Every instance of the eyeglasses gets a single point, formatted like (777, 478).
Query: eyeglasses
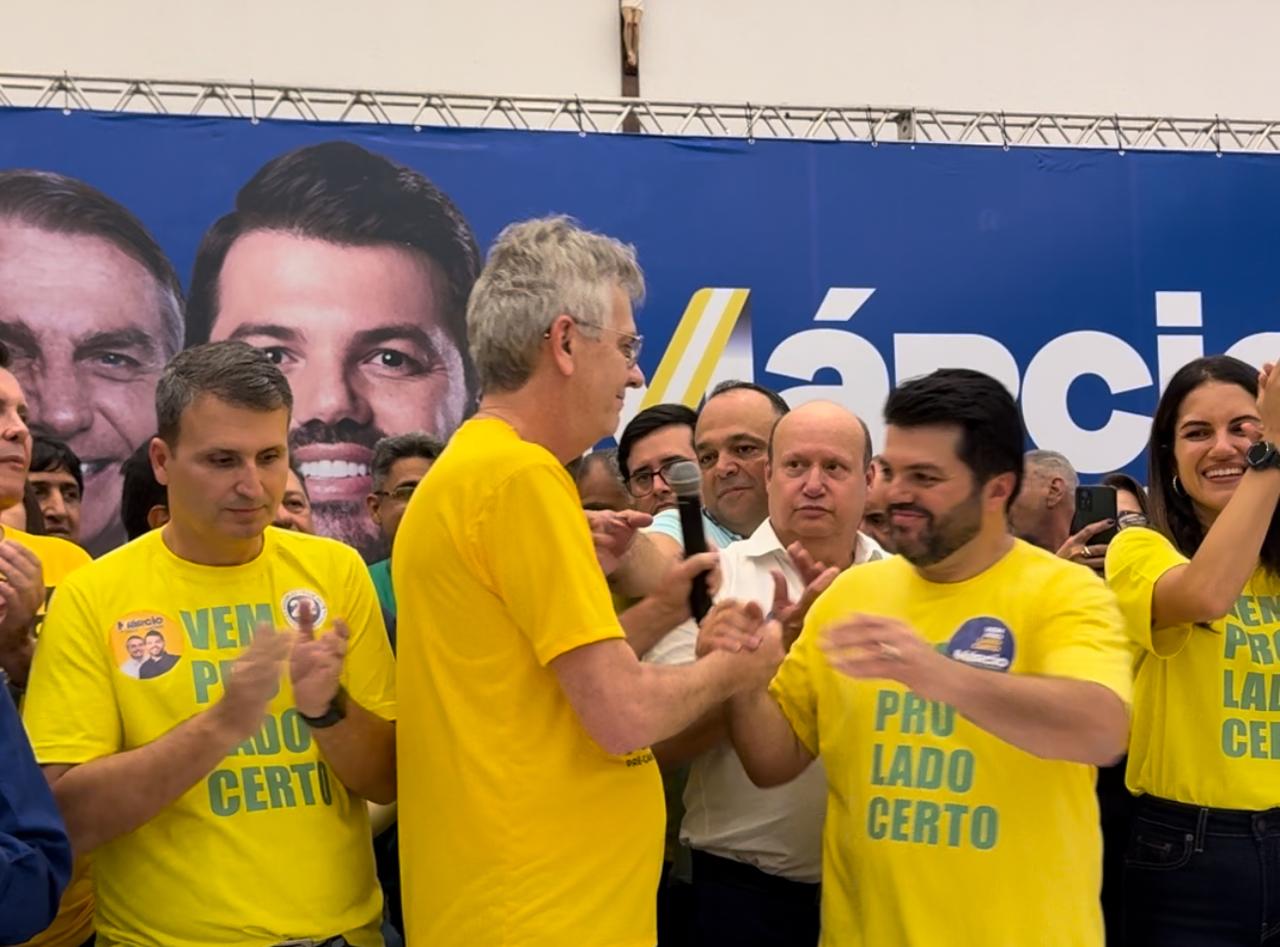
(630, 348)
(640, 483)
(400, 494)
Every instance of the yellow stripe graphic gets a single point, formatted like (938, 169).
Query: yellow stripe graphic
(684, 372)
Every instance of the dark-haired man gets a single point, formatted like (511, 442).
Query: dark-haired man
(959, 694)
(58, 483)
(91, 309)
(211, 783)
(652, 441)
(731, 442)
(352, 273)
(294, 511)
(144, 503)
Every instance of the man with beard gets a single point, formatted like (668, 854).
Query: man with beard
(960, 695)
(136, 647)
(352, 272)
(91, 309)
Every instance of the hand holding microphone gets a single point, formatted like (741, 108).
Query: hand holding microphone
(685, 481)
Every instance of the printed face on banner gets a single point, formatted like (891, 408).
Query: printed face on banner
(359, 332)
(85, 325)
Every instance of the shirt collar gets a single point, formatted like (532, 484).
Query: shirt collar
(765, 542)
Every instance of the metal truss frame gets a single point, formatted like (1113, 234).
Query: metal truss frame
(256, 102)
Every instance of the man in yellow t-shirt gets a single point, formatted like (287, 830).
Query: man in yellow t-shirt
(959, 696)
(223, 796)
(531, 809)
(32, 567)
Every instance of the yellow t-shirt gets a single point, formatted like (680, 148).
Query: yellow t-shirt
(270, 845)
(74, 923)
(515, 827)
(1206, 705)
(938, 832)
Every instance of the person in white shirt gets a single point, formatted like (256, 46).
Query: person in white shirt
(757, 853)
(137, 654)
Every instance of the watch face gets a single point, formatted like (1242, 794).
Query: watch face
(1261, 454)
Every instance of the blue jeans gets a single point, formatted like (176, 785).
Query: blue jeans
(1198, 877)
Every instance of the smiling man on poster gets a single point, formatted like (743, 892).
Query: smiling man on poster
(352, 273)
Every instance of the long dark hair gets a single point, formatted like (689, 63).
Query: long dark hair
(1171, 510)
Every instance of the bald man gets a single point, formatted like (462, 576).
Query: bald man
(1042, 513)
(757, 853)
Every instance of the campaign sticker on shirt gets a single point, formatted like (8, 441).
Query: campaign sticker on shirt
(983, 642)
(291, 605)
(146, 645)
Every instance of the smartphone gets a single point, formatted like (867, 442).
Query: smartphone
(1094, 504)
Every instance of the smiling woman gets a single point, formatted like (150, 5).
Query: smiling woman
(1201, 597)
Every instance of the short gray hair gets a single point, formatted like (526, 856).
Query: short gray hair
(1050, 463)
(536, 271)
(233, 372)
(399, 446)
(606, 457)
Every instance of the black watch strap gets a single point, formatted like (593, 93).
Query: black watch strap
(336, 713)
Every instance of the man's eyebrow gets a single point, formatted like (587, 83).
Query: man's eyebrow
(408, 331)
(18, 335)
(271, 330)
(117, 339)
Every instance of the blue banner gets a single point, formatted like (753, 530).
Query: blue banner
(1082, 279)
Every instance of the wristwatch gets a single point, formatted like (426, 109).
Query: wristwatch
(1262, 456)
(336, 713)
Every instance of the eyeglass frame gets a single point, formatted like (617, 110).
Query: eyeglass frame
(387, 494)
(660, 472)
(635, 340)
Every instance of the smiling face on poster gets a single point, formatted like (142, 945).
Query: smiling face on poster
(351, 273)
(90, 308)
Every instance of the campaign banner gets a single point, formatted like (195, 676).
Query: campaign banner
(1082, 279)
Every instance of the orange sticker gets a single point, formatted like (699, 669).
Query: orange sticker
(146, 645)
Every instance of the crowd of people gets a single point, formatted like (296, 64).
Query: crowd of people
(922, 709)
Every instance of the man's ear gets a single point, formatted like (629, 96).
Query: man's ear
(560, 337)
(1057, 492)
(1000, 487)
(160, 454)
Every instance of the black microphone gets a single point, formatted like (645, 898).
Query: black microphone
(685, 481)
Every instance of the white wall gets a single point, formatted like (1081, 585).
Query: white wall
(1185, 57)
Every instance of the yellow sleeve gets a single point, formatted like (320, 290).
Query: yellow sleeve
(369, 674)
(70, 707)
(792, 687)
(536, 544)
(1136, 560)
(1082, 636)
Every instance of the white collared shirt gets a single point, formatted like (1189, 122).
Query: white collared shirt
(778, 830)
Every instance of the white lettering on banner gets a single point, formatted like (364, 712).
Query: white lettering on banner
(1044, 399)
(865, 380)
